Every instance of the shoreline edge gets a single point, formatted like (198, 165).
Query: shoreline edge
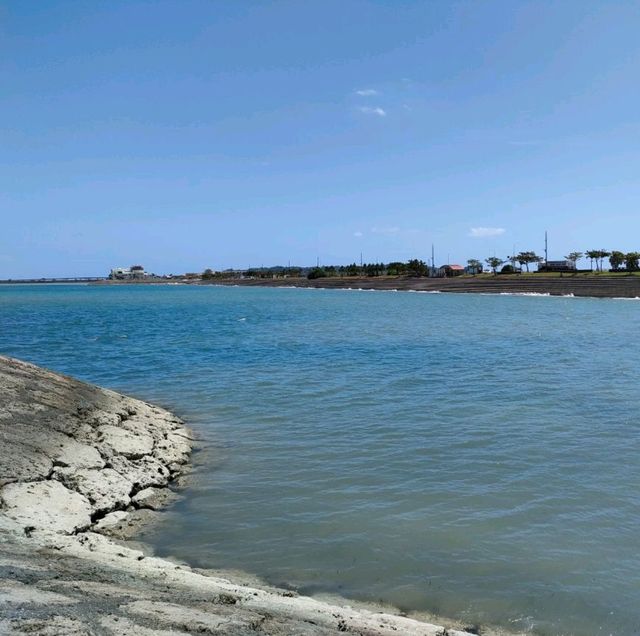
(82, 468)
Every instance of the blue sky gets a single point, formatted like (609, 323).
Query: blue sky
(188, 134)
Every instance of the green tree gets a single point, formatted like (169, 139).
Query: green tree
(373, 269)
(574, 257)
(494, 262)
(207, 274)
(535, 259)
(616, 259)
(352, 270)
(416, 267)
(527, 258)
(475, 265)
(631, 261)
(602, 254)
(598, 256)
(396, 268)
(317, 272)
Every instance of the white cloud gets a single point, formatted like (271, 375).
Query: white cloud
(369, 110)
(385, 230)
(357, 234)
(367, 92)
(486, 232)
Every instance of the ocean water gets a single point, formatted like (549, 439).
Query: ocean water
(473, 456)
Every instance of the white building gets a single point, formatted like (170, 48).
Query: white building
(135, 272)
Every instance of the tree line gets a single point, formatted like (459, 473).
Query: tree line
(619, 261)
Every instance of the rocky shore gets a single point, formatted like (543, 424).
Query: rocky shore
(81, 468)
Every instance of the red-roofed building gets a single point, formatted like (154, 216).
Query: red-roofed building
(451, 270)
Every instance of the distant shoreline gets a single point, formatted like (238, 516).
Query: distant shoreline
(598, 286)
(579, 285)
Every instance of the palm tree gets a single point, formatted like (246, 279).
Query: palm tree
(574, 257)
(593, 255)
(602, 254)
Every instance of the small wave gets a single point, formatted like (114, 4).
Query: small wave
(533, 294)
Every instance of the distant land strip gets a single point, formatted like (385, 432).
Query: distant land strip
(583, 285)
(598, 286)
(74, 279)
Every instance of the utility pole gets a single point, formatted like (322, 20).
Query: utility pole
(546, 250)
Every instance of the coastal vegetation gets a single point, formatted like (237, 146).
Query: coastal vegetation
(519, 263)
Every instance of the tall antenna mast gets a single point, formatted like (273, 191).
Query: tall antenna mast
(546, 250)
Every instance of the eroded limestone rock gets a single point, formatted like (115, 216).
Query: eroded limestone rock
(46, 505)
(110, 522)
(119, 441)
(153, 498)
(144, 472)
(76, 455)
(26, 463)
(105, 489)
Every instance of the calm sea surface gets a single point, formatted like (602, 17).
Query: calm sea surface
(475, 456)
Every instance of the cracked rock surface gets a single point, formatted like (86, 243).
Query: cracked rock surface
(82, 467)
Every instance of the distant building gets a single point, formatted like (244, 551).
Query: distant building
(135, 272)
(451, 270)
(557, 266)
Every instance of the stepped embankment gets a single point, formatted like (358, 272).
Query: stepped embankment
(81, 468)
(597, 286)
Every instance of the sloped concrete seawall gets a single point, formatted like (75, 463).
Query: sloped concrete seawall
(80, 468)
(597, 286)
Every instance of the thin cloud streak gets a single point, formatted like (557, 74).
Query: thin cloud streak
(372, 110)
(367, 92)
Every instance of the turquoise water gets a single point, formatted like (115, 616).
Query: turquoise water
(474, 456)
